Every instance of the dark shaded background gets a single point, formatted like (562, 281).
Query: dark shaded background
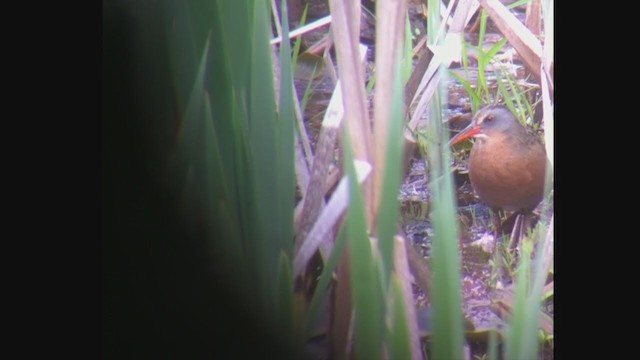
(162, 296)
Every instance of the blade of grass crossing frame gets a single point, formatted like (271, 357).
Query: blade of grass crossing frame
(263, 142)
(447, 338)
(284, 158)
(219, 194)
(237, 19)
(367, 297)
(517, 344)
(446, 299)
(523, 341)
(285, 303)
(285, 140)
(400, 347)
(388, 210)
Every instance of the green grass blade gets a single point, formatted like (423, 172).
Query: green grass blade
(367, 297)
(400, 347)
(524, 107)
(483, 90)
(285, 178)
(407, 66)
(219, 196)
(298, 42)
(388, 209)
(307, 91)
(263, 142)
(446, 299)
(285, 305)
(518, 345)
(483, 29)
(447, 337)
(495, 49)
(509, 98)
(371, 83)
(484, 58)
(236, 18)
(285, 141)
(475, 99)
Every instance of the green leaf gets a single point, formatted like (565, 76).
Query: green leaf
(285, 141)
(446, 298)
(285, 305)
(400, 346)
(264, 151)
(388, 210)
(365, 284)
(475, 99)
(298, 42)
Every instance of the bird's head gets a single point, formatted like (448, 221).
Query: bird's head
(489, 120)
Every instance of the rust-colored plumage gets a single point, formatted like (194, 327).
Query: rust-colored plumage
(507, 163)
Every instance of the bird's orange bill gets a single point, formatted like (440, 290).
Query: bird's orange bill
(468, 132)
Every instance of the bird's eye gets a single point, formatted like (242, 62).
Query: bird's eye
(488, 119)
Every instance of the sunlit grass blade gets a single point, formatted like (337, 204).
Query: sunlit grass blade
(495, 49)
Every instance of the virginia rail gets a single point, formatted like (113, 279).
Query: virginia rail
(507, 163)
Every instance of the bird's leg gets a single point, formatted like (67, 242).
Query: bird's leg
(516, 233)
(522, 224)
(506, 226)
(499, 234)
(495, 219)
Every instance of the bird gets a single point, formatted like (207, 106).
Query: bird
(508, 164)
